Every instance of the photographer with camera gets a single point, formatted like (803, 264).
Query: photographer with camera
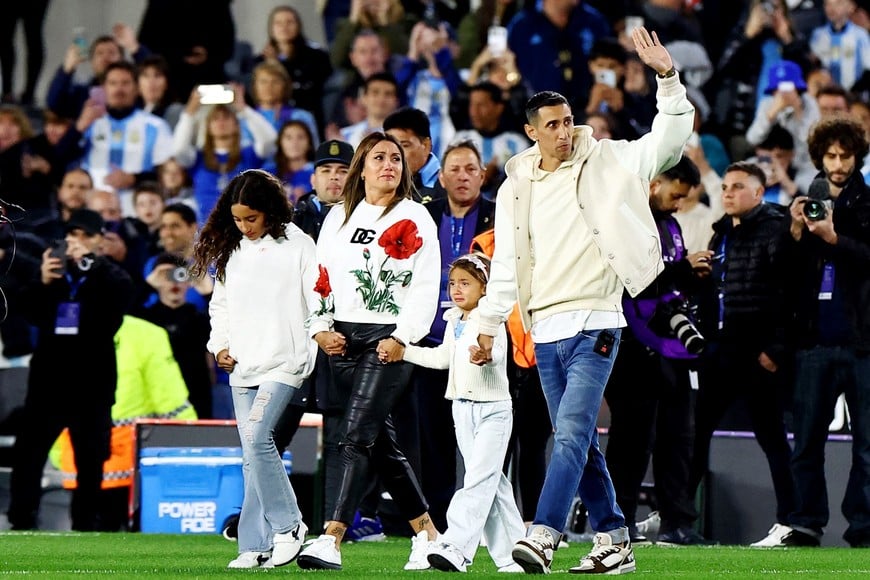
(661, 343)
(827, 259)
(740, 309)
(77, 305)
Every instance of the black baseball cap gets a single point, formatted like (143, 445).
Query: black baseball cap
(333, 151)
(86, 220)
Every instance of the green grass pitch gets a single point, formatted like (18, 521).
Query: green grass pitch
(72, 555)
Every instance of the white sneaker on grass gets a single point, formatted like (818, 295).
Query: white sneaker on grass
(285, 547)
(512, 569)
(249, 560)
(606, 557)
(534, 553)
(446, 557)
(774, 537)
(320, 554)
(420, 546)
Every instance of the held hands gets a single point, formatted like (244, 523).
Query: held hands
(332, 343)
(390, 351)
(225, 361)
(651, 51)
(482, 354)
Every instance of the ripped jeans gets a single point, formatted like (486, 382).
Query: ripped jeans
(270, 505)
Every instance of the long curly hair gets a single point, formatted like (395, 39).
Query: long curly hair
(354, 186)
(219, 238)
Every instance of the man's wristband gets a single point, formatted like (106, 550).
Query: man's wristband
(399, 340)
(668, 74)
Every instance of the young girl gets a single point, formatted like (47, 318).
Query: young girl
(264, 269)
(483, 418)
(292, 163)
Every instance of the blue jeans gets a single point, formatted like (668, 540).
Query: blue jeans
(822, 374)
(270, 505)
(573, 377)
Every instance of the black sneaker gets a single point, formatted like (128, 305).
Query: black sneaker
(684, 536)
(798, 538)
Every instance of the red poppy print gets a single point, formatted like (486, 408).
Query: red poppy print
(400, 241)
(322, 286)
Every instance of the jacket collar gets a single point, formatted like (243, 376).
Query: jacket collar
(526, 164)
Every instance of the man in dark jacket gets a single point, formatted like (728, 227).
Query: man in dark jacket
(331, 164)
(827, 254)
(743, 322)
(77, 305)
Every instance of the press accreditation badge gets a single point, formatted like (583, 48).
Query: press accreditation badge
(67, 321)
(826, 291)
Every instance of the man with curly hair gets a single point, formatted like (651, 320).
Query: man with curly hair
(827, 253)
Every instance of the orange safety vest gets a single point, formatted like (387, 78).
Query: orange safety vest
(118, 468)
(521, 341)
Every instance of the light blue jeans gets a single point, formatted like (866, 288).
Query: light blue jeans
(573, 377)
(270, 505)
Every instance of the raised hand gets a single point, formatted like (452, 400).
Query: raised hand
(651, 51)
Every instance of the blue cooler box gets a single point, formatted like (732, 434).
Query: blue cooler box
(190, 490)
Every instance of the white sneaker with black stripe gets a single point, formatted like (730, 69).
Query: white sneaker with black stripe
(249, 560)
(535, 552)
(606, 557)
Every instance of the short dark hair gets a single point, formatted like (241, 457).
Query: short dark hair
(684, 171)
(543, 99)
(120, 65)
(382, 77)
(835, 90)
(103, 39)
(846, 131)
(147, 187)
(185, 212)
(750, 169)
(464, 144)
(490, 88)
(409, 119)
(154, 61)
(778, 138)
(168, 258)
(608, 48)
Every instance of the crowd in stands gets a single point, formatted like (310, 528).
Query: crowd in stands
(136, 140)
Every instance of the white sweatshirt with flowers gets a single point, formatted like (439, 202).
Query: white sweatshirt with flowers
(379, 269)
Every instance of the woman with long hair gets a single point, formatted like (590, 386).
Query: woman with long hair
(306, 62)
(380, 271)
(224, 153)
(293, 160)
(265, 272)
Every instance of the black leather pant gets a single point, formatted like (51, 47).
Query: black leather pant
(369, 440)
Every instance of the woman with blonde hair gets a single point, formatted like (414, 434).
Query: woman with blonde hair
(272, 91)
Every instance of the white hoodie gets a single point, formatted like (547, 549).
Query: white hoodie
(258, 313)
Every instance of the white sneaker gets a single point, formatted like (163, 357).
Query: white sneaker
(512, 569)
(320, 554)
(249, 560)
(420, 546)
(446, 557)
(285, 547)
(774, 537)
(534, 553)
(650, 526)
(606, 557)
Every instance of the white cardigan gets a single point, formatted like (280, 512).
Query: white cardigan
(260, 309)
(466, 380)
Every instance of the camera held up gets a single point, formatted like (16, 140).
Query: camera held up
(674, 317)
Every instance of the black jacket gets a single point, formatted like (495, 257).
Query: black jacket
(749, 278)
(804, 261)
(66, 364)
(308, 217)
(485, 213)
